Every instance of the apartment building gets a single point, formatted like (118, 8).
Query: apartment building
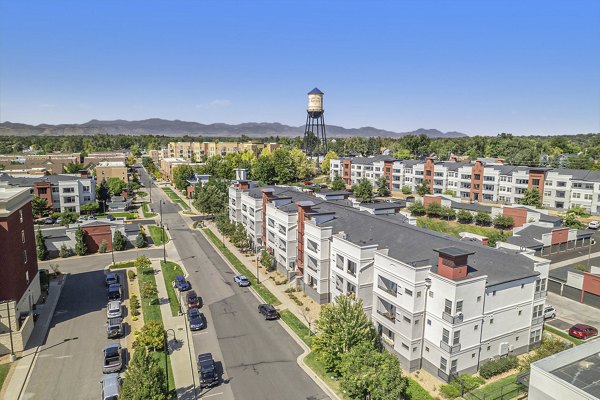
(197, 150)
(105, 156)
(438, 303)
(53, 162)
(168, 165)
(63, 192)
(112, 169)
(20, 288)
(484, 180)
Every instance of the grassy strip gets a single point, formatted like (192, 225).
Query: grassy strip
(141, 194)
(125, 264)
(563, 335)
(175, 198)
(147, 212)
(3, 372)
(297, 326)
(160, 357)
(415, 391)
(150, 306)
(157, 234)
(264, 293)
(170, 271)
(319, 369)
(126, 215)
(454, 228)
(500, 388)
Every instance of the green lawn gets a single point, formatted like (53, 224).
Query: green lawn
(266, 295)
(564, 335)
(3, 372)
(505, 388)
(141, 194)
(415, 391)
(160, 357)
(157, 234)
(453, 228)
(147, 212)
(126, 215)
(170, 271)
(151, 311)
(319, 369)
(175, 198)
(125, 264)
(297, 326)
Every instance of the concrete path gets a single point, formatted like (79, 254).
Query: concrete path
(20, 372)
(181, 350)
(574, 260)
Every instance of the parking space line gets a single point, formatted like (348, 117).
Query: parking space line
(211, 395)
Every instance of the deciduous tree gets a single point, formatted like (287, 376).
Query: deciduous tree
(326, 163)
(115, 186)
(39, 206)
(423, 188)
(532, 197)
(144, 378)
(181, 174)
(363, 190)
(338, 183)
(383, 189)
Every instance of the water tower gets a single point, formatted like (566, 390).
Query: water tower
(315, 123)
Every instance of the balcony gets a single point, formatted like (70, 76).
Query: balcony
(538, 295)
(452, 319)
(450, 349)
(537, 320)
(390, 290)
(389, 315)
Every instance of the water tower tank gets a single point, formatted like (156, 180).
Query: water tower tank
(315, 102)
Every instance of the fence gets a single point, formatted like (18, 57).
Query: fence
(510, 390)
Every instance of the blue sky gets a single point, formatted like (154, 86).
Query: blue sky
(479, 67)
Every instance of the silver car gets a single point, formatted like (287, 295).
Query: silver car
(114, 309)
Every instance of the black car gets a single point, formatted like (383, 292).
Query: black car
(114, 292)
(207, 371)
(268, 311)
(115, 328)
(110, 217)
(196, 319)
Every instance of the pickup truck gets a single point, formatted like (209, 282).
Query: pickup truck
(112, 358)
(207, 371)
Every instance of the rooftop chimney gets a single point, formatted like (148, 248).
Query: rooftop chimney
(241, 174)
(84, 173)
(452, 262)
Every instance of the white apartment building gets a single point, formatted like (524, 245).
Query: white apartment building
(485, 180)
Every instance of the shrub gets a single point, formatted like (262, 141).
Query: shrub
(498, 366)
(483, 218)
(464, 217)
(64, 251)
(414, 391)
(406, 189)
(433, 210)
(131, 275)
(503, 221)
(417, 208)
(103, 246)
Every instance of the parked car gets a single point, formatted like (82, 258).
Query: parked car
(268, 311)
(111, 386)
(196, 319)
(583, 331)
(594, 225)
(207, 371)
(114, 309)
(91, 218)
(192, 299)
(114, 328)
(181, 283)
(549, 312)
(58, 220)
(111, 279)
(48, 221)
(110, 217)
(112, 358)
(114, 292)
(241, 280)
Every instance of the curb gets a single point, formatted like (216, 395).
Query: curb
(300, 359)
(37, 348)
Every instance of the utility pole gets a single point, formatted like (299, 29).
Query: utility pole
(12, 352)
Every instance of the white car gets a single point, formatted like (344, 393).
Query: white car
(114, 309)
(549, 312)
(594, 225)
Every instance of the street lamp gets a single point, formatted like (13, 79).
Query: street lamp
(427, 286)
(164, 243)
(167, 352)
(257, 259)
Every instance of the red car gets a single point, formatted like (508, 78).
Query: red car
(582, 331)
(192, 299)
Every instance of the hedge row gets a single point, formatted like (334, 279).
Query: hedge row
(498, 366)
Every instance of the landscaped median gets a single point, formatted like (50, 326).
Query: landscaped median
(3, 372)
(175, 198)
(563, 335)
(147, 212)
(170, 270)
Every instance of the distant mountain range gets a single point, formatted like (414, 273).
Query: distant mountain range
(157, 126)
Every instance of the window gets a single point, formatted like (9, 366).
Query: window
(428, 322)
(456, 338)
(478, 299)
(21, 216)
(431, 294)
(351, 288)
(427, 349)
(540, 285)
(419, 294)
(23, 236)
(459, 306)
(489, 348)
(473, 355)
(535, 182)
(352, 268)
(445, 335)
(494, 293)
(453, 366)
(443, 364)
(520, 312)
(476, 327)
(408, 292)
(548, 183)
(516, 339)
(448, 307)
(535, 336)
(491, 321)
(406, 319)
(25, 256)
(415, 349)
(537, 311)
(404, 346)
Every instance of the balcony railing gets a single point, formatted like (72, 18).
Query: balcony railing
(538, 295)
(392, 291)
(452, 319)
(389, 315)
(352, 272)
(537, 320)
(450, 349)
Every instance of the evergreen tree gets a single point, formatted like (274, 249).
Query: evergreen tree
(382, 187)
(40, 246)
(141, 240)
(103, 246)
(119, 241)
(39, 206)
(80, 246)
(103, 194)
(338, 183)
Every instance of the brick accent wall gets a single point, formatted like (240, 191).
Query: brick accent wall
(519, 215)
(94, 235)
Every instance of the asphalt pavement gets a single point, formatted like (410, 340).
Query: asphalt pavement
(257, 357)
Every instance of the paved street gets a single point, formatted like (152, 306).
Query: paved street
(258, 357)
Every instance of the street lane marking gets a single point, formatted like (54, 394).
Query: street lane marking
(67, 356)
(211, 395)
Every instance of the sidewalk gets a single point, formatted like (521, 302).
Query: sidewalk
(574, 260)
(19, 373)
(182, 362)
